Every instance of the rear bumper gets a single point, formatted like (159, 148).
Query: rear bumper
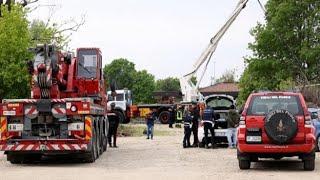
(276, 149)
(220, 135)
(45, 145)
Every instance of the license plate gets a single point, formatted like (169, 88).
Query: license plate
(15, 127)
(75, 126)
(253, 138)
(9, 113)
(219, 133)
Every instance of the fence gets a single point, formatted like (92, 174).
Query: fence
(311, 94)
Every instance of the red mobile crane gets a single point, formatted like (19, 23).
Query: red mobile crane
(67, 111)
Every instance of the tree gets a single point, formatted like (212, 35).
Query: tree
(194, 80)
(168, 84)
(143, 87)
(14, 42)
(50, 32)
(122, 72)
(228, 76)
(42, 33)
(10, 3)
(291, 37)
(286, 49)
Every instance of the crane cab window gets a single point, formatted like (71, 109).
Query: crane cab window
(87, 63)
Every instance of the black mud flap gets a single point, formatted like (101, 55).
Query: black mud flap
(242, 156)
(310, 156)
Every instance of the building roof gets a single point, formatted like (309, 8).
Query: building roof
(221, 88)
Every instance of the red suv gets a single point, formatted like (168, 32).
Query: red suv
(276, 125)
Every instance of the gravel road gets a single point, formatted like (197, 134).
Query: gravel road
(161, 158)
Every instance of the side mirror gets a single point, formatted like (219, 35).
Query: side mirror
(112, 105)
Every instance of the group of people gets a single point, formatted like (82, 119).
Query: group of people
(207, 117)
(192, 116)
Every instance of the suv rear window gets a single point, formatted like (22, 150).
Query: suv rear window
(219, 103)
(262, 105)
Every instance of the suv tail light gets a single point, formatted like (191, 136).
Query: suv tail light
(307, 121)
(308, 124)
(242, 122)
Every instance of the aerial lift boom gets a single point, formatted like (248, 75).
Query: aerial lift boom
(190, 90)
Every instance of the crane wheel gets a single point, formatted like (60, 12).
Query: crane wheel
(91, 156)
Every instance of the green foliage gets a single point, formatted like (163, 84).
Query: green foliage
(136, 130)
(124, 74)
(228, 77)
(168, 84)
(194, 80)
(14, 43)
(143, 87)
(42, 33)
(286, 49)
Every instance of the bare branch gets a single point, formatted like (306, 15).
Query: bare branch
(26, 2)
(75, 27)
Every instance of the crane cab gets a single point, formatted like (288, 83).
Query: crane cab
(89, 72)
(89, 64)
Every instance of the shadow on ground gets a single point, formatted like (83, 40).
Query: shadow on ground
(281, 165)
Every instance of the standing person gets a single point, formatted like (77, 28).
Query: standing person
(171, 117)
(195, 124)
(151, 117)
(187, 129)
(171, 111)
(233, 122)
(208, 123)
(179, 116)
(113, 127)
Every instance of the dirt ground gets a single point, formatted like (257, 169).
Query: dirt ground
(161, 158)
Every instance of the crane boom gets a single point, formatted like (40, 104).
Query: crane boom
(188, 88)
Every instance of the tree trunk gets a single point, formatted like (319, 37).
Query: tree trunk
(8, 3)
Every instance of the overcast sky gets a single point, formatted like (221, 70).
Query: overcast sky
(165, 37)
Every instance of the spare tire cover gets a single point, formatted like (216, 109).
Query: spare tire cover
(281, 126)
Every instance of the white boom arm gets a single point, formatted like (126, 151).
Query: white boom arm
(189, 90)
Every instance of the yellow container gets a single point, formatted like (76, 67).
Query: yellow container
(144, 111)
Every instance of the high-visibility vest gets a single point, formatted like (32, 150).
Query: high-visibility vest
(179, 115)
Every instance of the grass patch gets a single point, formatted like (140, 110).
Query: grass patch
(137, 130)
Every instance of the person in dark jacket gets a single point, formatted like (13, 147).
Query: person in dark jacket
(233, 121)
(151, 117)
(113, 128)
(171, 117)
(187, 129)
(208, 123)
(195, 124)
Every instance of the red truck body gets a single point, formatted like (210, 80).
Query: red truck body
(67, 111)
